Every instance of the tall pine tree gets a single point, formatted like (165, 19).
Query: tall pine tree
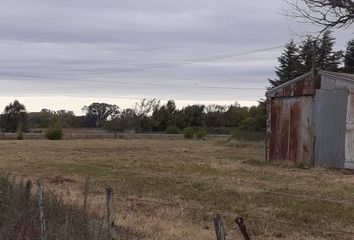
(349, 58)
(289, 65)
(306, 50)
(327, 58)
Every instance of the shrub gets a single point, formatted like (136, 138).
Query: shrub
(19, 133)
(188, 133)
(172, 130)
(201, 133)
(55, 131)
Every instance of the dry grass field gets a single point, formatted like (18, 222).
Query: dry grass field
(170, 189)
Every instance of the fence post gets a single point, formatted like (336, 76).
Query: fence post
(41, 210)
(86, 193)
(242, 226)
(110, 214)
(219, 227)
(85, 207)
(28, 193)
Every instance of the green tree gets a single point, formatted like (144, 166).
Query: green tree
(289, 65)
(214, 115)
(171, 106)
(126, 120)
(258, 114)
(164, 116)
(306, 51)
(327, 58)
(194, 115)
(14, 116)
(98, 113)
(180, 119)
(349, 57)
(235, 114)
(143, 111)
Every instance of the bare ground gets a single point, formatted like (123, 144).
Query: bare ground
(169, 189)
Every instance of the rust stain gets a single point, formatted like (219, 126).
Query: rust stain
(274, 125)
(304, 87)
(295, 113)
(289, 130)
(305, 149)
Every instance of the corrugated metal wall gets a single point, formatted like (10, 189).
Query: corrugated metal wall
(305, 86)
(330, 127)
(349, 136)
(291, 130)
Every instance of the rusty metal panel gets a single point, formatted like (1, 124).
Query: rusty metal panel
(274, 133)
(290, 130)
(330, 121)
(349, 135)
(304, 87)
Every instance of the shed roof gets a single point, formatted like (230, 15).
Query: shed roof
(342, 76)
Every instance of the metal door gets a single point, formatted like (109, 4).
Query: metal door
(330, 127)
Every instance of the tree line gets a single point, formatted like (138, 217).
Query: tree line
(297, 59)
(148, 115)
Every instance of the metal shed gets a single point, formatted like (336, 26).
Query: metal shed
(310, 120)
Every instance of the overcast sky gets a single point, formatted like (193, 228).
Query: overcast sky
(68, 53)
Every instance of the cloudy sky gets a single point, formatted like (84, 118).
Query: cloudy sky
(69, 53)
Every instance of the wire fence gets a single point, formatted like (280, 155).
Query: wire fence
(45, 215)
(107, 135)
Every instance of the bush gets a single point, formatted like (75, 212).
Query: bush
(19, 133)
(172, 130)
(55, 131)
(201, 133)
(188, 133)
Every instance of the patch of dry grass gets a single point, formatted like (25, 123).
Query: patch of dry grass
(169, 189)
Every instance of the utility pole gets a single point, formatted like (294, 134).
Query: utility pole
(314, 59)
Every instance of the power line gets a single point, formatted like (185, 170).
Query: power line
(130, 83)
(148, 66)
(214, 58)
(143, 67)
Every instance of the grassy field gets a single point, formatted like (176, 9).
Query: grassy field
(170, 189)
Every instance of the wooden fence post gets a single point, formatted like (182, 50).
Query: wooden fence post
(219, 227)
(28, 193)
(110, 214)
(85, 207)
(86, 194)
(242, 226)
(41, 210)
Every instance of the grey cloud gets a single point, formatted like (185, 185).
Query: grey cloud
(44, 44)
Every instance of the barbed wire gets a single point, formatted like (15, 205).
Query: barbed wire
(310, 198)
